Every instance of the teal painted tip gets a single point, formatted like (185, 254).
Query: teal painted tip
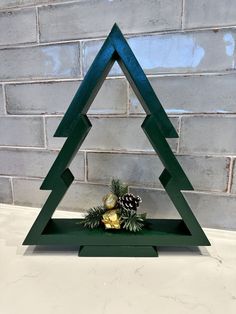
(115, 29)
(115, 25)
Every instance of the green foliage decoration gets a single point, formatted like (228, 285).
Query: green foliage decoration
(130, 220)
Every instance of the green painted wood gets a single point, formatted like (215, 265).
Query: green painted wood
(140, 83)
(67, 153)
(118, 251)
(75, 126)
(88, 89)
(49, 207)
(158, 232)
(165, 154)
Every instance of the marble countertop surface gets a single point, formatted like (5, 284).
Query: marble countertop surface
(185, 280)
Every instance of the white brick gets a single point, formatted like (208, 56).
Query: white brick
(5, 190)
(109, 133)
(208, 134)
(53, 61)
(79, 197)
(86, 18)
(205, 173)
(18, 26)
(34, 163)
(211, 210)
(55, 98)
(202, 13)
(190, 94)
(17, 131)
(177, 52)
(134, 169)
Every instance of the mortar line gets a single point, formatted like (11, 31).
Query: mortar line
(191, 114)
(183, 15)
(159, 75)
(22, 177)
(31, 115)
(201, 192)
(91, 183)
(103, 151)
(4, 100)
(81, 59)
(179, 132)
(179, 74)
(17, 8)
(138, 116)
(127, 98)
(34, 178)
(161, 32)
(33, 5)
(85, 166)
(5, 176)
(56, 3)
(131, 116)
(118, 115)
(190, 74)
(174, 31)
(12, 190)
(44, 133)
(230, 174)
(152, 153)
(205, 114)
(37, 25)
(12, 147)
(150, 188)
(51, 80)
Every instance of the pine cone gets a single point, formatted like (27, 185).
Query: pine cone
(130, 201)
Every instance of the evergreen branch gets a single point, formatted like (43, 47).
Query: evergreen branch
(93, 218)
(117, 188)
(131, 220)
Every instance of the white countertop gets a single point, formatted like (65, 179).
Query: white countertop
(53, 281)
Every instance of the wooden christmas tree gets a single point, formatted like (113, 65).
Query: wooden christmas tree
(74, 126)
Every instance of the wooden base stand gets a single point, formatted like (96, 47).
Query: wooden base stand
(117, 251)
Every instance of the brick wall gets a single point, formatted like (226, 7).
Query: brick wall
(187, 49)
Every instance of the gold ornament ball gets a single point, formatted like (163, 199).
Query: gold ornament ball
(111, 219)
(110, 201)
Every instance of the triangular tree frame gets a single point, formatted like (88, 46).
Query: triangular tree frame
(75, 126)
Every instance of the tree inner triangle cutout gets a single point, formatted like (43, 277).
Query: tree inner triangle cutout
(75, 126)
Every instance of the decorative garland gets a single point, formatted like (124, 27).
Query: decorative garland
(119, 210)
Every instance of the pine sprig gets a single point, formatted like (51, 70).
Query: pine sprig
(131, 220)
(128, 218)
(117, 188)
(93, 218)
